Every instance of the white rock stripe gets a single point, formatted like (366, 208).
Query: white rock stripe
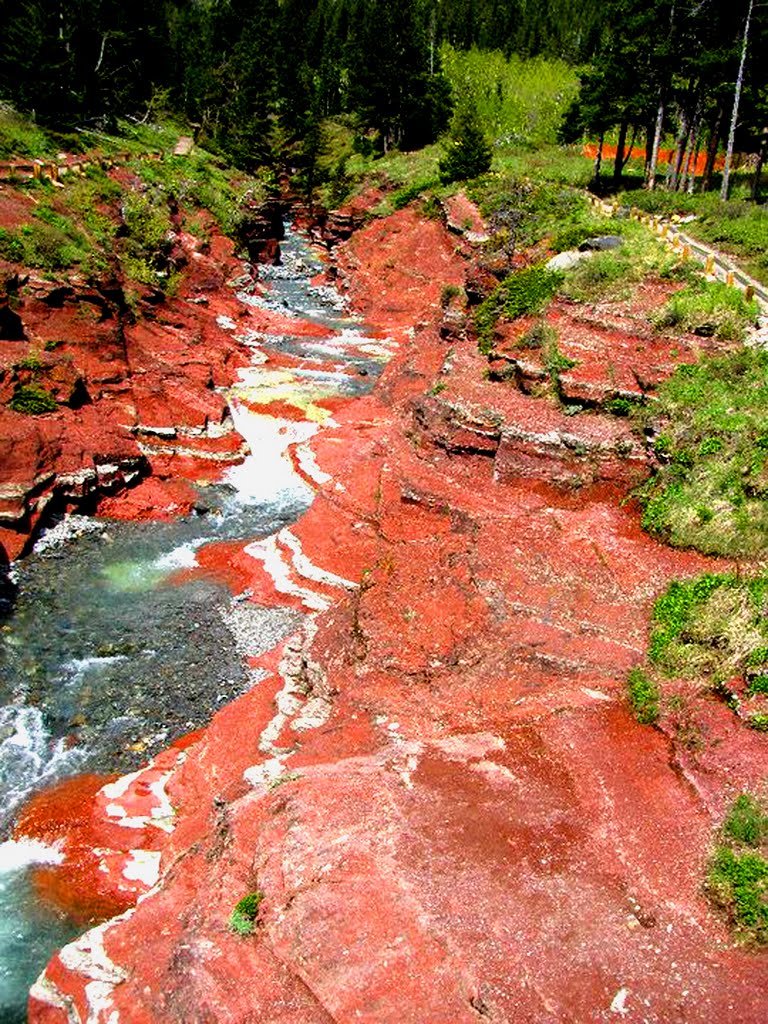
(306, 568)
(87, 958)
(271, 556)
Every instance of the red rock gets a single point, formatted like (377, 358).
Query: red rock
(151, 499)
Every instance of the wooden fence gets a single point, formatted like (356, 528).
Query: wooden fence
(58, 171)
(716, 266)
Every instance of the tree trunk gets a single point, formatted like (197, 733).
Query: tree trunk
(760, 161)
(691, 151)
(598, 162)
(714, 142)
(735, 114)
(629, 148)
(692, 175)
(618, 164)
(650, 180)
(677, 157)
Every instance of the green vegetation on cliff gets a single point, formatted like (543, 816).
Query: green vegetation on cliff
(710, 490)
(737, 880)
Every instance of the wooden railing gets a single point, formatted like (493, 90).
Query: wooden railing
(58, 171)
(716, 266)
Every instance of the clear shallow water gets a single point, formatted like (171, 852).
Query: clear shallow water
(104, 660)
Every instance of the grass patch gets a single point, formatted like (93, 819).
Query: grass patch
(710, 491)
(737, 879)
(20, 137)
(544, 213)
(197, 182)
(644, 696)
(613, 272)
(712, 626)
(244, 918)
(50, 243)
(403, 196)
(708, 308)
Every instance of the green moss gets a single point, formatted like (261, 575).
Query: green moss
(244, 917)
(32, 400)
(644, 696)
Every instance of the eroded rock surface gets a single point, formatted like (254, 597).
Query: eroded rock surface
(437, 787)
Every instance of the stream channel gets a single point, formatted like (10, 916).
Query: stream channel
(103, 661)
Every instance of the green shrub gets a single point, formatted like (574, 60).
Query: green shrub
(32, 400)
(539, 335)
(555, 362)
(244, 918)
(622, 405)
(738, 884)
(746, 823)
(644, 696)
(448, 294)
(527, 291)
(758, 684)
(31, 362)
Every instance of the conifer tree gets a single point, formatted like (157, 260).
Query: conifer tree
(468, 153)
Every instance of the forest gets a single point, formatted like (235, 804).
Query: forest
(257, 78)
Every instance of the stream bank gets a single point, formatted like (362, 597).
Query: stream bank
(119, 643)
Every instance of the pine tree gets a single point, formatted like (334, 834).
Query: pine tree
(468, 153)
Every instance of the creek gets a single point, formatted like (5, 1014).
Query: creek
(109, 654)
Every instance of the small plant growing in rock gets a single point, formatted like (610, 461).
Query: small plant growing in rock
(244, 918)
(737, 880)
(32, 401)
(540, 335)
(448, 294)
(644, 696)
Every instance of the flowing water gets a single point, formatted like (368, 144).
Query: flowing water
(106, 658)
